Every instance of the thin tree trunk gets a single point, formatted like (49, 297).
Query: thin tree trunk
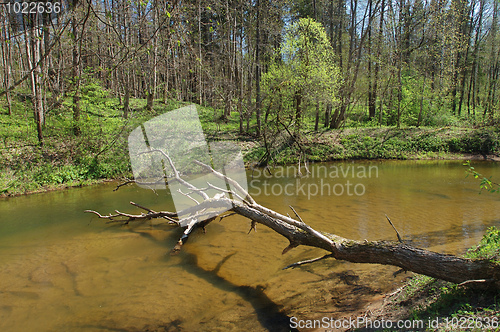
(371, 83)
(465, 66)
(421, 112)
(76, 77)
(492, 61)
(475, 62)
(378, 60)
(328, 111)
(257, 69)
(33, 57)
(6, 63)
(126, 99)
(316, 122)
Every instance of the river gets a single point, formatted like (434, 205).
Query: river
(62, 269)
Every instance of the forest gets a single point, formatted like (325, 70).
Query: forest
(417, 78)
(289, 82)
(382, 62)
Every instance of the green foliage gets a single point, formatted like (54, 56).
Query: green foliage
(488, 247)
(92, 91)
(99, 152)
(305, 73)
(49, 174)
(399, 145)
(486, 183)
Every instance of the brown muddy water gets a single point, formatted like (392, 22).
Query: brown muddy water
(62, 269)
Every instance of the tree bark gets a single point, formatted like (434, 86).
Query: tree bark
(33, 45)
(258, 102)
(6, 59)
(76, 78)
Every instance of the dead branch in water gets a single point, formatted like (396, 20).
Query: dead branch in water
(451, 268)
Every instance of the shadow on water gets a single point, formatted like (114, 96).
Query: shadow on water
(269, 314)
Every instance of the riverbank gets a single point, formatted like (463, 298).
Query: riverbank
(389, 143)
(426, 303)
(100, 152)
(422, 303)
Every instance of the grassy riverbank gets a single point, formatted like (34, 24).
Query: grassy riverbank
(100, 152)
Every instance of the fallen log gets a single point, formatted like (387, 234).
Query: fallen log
(463, 271)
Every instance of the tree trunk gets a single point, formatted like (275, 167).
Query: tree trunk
(6, 63)
(76, 78)
(492, 61)
(316, 122)
(328, 111)
(126, 99)
(297, 232)
(371, 83)
(377, 64)
(465, 65)
(298, 111)
(421, 112)
(258, 101)
(149, 99)
(33, 45)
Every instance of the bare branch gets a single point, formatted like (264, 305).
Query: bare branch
(227, 191)
(397, 233)
(253, 225)
(131, 217)
(228, 180)
(291, 207)
(480, 281)
(294, 265)
(142, 183)
(188, 196)
(227, 215)
(177, 175)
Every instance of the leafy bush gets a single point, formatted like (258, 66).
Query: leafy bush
(48, 174)
(488, 247)
(485, 141)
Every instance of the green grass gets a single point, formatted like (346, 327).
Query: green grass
(391, 143)
(488, 247)
(101, 151)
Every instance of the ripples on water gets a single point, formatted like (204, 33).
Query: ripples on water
(61, 269)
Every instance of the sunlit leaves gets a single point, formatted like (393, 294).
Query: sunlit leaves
(485, 183)
(305, 69)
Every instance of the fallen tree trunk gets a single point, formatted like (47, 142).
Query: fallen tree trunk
(464, 271)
